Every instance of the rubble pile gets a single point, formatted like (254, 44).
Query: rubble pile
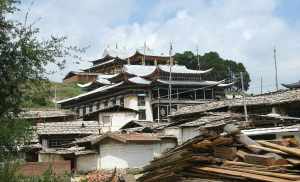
(229, 156)
(99, 176)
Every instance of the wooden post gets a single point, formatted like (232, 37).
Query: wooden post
(158, 106)
(276, 74)
(244, 97)
(170, 80)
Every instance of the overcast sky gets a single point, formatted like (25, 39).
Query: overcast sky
(245, 31)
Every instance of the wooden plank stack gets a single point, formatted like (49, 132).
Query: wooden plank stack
(230, 156)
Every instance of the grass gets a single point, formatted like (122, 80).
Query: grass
(42, 95)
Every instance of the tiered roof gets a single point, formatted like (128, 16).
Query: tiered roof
(138, 75)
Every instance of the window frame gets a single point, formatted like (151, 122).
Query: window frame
(142, 114)
(141, 102)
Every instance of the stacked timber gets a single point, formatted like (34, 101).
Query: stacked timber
(230, 156)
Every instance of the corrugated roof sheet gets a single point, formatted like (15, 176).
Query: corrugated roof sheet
(274, 130)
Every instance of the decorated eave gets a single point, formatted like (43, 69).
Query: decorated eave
(101, 60)
(196, 83)
(105, 63)
(99, 82)
(109, 89)
(73, 73)
(149, 54)
(148, 71)
(292, 85)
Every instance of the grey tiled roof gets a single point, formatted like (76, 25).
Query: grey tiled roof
(76, 150)
(71, 127)
(212, 118)
(287, 96)
(31, 114)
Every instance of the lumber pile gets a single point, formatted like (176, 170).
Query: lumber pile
(230, 156)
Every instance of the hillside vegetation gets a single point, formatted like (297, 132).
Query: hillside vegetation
(42, 93)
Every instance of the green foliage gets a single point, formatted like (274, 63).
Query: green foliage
(42, 93)
(223, 69)
(48, 176)
(65, 90)
(9, 173)
(23, 58)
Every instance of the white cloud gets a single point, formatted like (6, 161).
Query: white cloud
(244, 31)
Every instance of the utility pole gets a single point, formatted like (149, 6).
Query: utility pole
(158, 105)
(199, 66)
(170, 79)
(244, 97)
(144, 57)
(276, 73)
(261, 85)
(55, 97)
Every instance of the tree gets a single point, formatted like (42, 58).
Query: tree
(23, 58)
(223, 69)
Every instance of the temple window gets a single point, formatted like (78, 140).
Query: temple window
(142, 114)
(141, 101)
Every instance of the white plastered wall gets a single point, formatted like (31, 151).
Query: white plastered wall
(118, 119)
(86, 163)
(115, 154)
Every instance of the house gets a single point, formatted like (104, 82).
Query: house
(58, 134)
(126, 150)
(56, 137)
(111, 150)
(81, 159)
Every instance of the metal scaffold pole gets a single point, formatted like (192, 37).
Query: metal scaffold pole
(170, 80)
(276, 72)
(244, 97)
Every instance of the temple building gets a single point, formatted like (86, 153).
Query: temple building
(112, 63)
(142, 83)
